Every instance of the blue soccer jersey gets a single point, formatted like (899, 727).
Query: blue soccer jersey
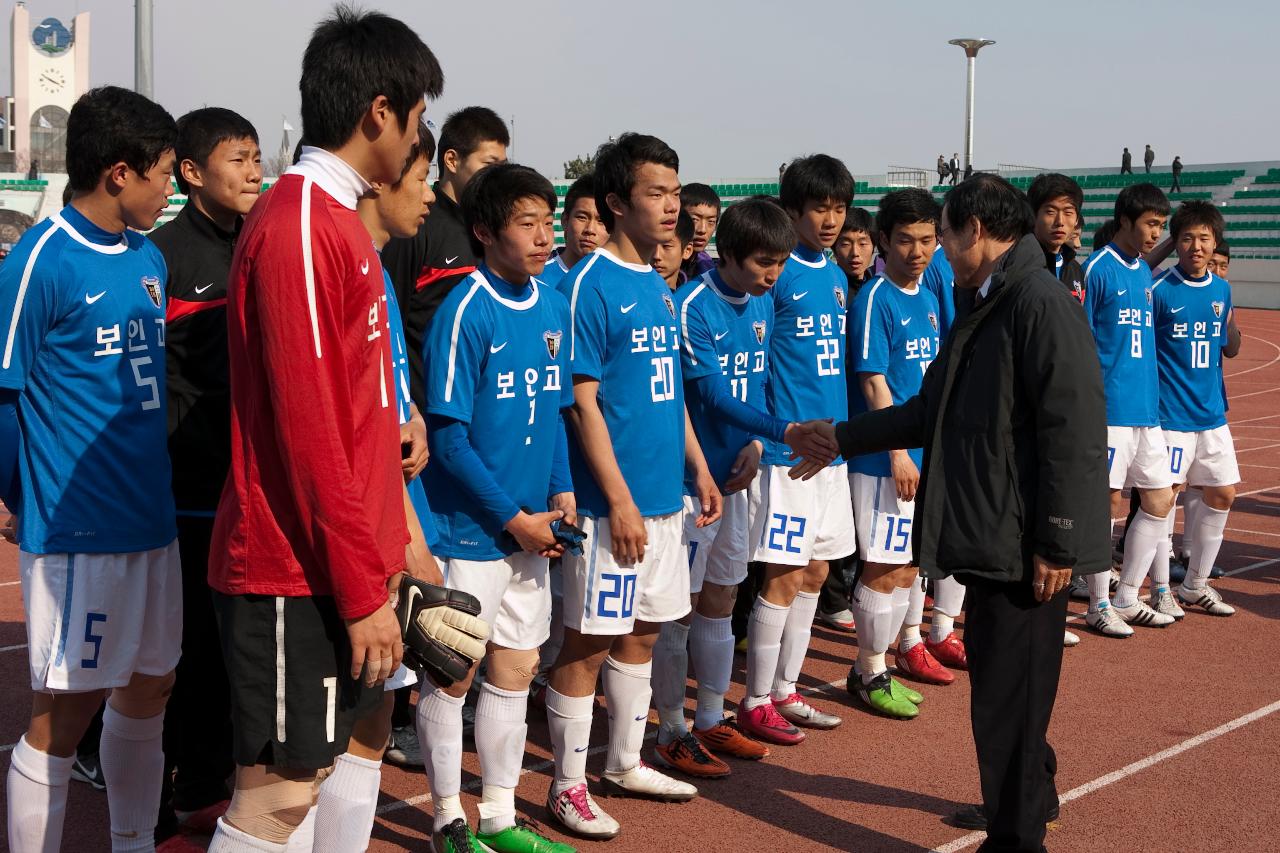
(625, 336)
(83, 313)
(1191, 330)
(939, 280)
(553, 271)
(724, 332)
(495, 360)
(1117, 304)
(806, 351)
(894, 333)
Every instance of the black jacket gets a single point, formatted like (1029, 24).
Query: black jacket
(198, 254)
(1013, 424)
(1071, 275)
(423, 269)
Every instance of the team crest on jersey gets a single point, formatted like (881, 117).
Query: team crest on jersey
(759, 328)
(1218, 308)
(1148, 296)
(933, 320)
(840, 297)
(552, 340)
(151, 285)
(671, 306)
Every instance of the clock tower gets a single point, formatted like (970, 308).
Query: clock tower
(50, 71)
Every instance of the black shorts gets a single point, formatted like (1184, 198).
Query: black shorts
(293, 702)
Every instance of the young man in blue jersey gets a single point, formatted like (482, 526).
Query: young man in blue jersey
(800, 526)
(1057, 201)
(583, 229)
(726, 318)
(670, 255)
(893, 340)
(497, 382)
(1192, 314)
(1118, 306)
(854, 250)
(631, 446)
(82, 409)
(939, 280)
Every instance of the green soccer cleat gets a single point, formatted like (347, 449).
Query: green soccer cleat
(455, 837)
(883, 696)
(901, 689)
(525, 837)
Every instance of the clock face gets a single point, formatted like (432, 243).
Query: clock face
(51, 80)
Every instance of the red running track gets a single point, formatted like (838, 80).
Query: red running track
(1169, 740)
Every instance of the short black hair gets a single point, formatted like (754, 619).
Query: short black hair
(110, 125)
(583, 187)
(352, 58)
(756, 224)
(1136, 199)
(1223, 248)
(1001, 207)
(491, 195)
(815, 178)
(616, 165)
(906, 207)
(1191, 213)
(859, 219)
(695, 194)
(684, 228)
(1105, 234)
(423, 148)
(1045, 188)
(200, 131)
(467, 129)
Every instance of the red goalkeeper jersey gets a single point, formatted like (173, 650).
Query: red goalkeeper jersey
(313, 503)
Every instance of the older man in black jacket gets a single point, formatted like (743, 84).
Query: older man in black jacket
(1013, 491)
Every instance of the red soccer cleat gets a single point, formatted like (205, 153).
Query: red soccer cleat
(918, 664)
(766, 724)
(949, 652)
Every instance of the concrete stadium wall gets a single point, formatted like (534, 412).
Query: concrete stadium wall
(1255, 284)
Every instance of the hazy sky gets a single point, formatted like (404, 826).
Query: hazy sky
(737, 86)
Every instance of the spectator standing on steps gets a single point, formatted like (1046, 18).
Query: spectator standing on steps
(943, 170)
(1177, 175)
(1126, 163)
(1148, 158)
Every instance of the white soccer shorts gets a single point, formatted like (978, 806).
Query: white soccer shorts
(93, 620)
(718, 552)
(1137, 456)
(1206, 458)
(514, 595)
(883, 520)
(802, 520)
(602, 597)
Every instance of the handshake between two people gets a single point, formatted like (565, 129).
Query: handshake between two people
(813, 447)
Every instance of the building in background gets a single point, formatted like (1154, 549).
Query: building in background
(50, 70)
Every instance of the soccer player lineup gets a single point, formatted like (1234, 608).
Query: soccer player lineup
(359, 467)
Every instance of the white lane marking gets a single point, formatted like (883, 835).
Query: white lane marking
(1128, 770)
(1257, 366)
(1261, 564)
(13, 648)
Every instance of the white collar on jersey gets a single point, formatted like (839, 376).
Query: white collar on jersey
(333, 174)
(620, 262)
(1176, 272)
(817, 265)
(105, 249)
(529, 301)
(717, 285)
(986, 287)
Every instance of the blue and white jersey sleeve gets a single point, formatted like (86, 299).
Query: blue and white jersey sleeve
(28, 305)
(872, 328)
(698, 356)
(939, 279)
(589, 333)
(454, 354)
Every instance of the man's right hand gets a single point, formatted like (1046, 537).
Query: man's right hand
(532, 531)
(906, 476)
(626, 529)
(375, 645)
(9, 532)
(814, 441)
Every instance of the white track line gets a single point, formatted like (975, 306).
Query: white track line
(10, 583)
(13, 648)
(1233, 397)
(1263, 447)
(1257, 366)
(1261, 564)
(1251, 420)
(1130, 769)
(1232, 529)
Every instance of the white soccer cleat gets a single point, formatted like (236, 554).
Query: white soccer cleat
(1139, 613)
(645, 782)
(1080, 588)
(1069, 639)
(1166, 603)
(576, 811)
(1105, 621)
(1207, 599)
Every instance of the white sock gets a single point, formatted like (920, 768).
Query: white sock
(948, 602)
(1164, 552)
(345, 807)
(627, 693)
(910, 633)
(228, 839)
(795, 643)
(132, 766)
(37, 798)
(873, 615)
(500, 737)
(1140, 543)
(670, 673)
(1192, 504)
(1100, 583)
(440, 732)
(303, 838)
(1206, 540)
(711, 649)
(764, 645)
(569, 724)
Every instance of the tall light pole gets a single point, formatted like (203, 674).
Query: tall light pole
(971, 48)
(144, 52)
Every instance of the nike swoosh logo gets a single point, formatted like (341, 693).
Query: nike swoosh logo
(1176, 310)
(799, 296)
(89, 300)
(580, 749)
(450, 260)
(1122, 292)
(642, 717)
(495, 350)
(364, 267)
(626, 309)
(906, 321)
(721, 335)
(203, 289)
